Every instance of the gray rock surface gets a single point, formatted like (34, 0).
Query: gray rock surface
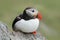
(5, 34)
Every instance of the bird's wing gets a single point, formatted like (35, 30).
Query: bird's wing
(15, 20)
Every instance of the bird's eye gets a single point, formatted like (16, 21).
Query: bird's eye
(32, 10)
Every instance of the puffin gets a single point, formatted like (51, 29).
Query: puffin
(28, 21)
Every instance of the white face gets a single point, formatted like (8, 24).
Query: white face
(31, 12)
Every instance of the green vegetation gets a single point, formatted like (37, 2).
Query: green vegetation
(50, 10)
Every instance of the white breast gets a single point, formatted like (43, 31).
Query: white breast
(27, 26)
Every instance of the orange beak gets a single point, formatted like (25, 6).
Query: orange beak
(39, 16)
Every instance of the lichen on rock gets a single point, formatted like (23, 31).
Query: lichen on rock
(5, 34)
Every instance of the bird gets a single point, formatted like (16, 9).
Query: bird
(28, 21)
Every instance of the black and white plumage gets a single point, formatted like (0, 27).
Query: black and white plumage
(27, 22)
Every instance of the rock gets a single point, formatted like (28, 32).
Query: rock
(5, 34)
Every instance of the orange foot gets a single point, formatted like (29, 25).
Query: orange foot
(34, 32)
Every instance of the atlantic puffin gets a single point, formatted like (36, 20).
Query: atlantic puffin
(28, 21)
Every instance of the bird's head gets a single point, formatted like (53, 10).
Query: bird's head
(32, 12)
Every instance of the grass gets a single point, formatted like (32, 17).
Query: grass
(50, 10)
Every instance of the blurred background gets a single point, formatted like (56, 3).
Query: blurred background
(50, 10)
